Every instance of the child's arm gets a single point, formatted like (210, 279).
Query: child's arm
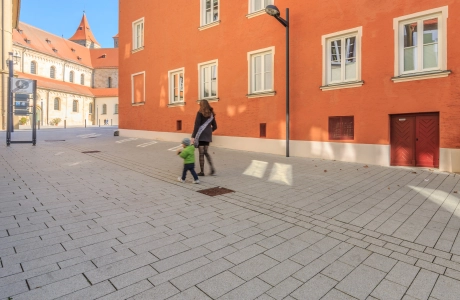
(184, 154)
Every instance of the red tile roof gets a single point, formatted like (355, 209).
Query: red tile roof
(41, 41)
(44, 42)
(71, 88)
(84, 32)
(104, 58)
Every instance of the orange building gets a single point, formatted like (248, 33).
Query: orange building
(371, 82)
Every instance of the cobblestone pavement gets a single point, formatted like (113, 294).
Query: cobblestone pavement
(116, 224)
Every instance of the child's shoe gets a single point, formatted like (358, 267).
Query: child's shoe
(196, 181)
(180, 179)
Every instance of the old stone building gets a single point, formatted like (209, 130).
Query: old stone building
(77, 80)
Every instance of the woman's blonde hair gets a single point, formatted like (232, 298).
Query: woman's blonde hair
(205, 109)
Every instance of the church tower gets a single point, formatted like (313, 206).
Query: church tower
(84, 36)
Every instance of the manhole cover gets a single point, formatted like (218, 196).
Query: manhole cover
(86, 152)
(215, 191)
(50, 141)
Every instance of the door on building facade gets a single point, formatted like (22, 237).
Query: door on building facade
(415, 140)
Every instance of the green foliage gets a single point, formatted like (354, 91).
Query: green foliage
(22, 121)
(55, 121)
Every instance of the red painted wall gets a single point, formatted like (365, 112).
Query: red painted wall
(172, 40)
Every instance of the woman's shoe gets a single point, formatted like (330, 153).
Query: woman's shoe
(200, 174)
(213, 172)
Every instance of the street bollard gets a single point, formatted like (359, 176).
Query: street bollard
(110, 122)
(38, 123)
(65, 124)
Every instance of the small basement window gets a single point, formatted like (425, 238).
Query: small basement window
(263, 130)
(179, 125)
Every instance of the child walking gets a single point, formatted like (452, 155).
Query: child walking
(188, 154)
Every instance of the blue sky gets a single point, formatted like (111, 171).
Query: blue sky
(62, 17)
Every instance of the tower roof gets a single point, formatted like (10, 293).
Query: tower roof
(84, 32)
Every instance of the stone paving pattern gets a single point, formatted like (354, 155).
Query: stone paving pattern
(117, 225)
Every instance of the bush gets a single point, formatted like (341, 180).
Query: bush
(22, 121)
(55, 121)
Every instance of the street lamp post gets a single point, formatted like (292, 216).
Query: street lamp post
(273, 11)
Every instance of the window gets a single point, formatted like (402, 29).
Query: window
(138, 34)
(257, 5)
(342, 58)
(209, 11)
(57, 104)
(53, 72)
(82, 79)
(341, 128)
(261, 71)
(109, 83)
(116, 109)
(421, 43)
(176, 86)
(90, 108)
(33, 68)
(71, 76)
(208, 80)
(263, 130)
(178, 125)
(104, 109)
(138, 88)
(75, 106)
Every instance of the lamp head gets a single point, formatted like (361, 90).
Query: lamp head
(272, 10)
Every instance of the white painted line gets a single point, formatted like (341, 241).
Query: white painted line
(91, 136)
(126, 140)
(146, 144)
(83, 135)
(175, 148)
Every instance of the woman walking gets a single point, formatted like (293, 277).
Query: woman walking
(205, 124)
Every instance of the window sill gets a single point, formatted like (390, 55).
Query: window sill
(255, 14)
(137, 50)
(209, 99)
(215, 23)
(138, 104)
(344, 85)
(421, 76)
(259, 95)
(177, 104)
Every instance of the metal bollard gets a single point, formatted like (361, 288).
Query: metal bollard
(65, 124)
(38, 123)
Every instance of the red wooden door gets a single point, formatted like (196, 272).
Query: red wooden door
(427, 141)
(402, 139)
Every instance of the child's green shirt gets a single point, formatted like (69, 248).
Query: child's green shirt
(188, 154)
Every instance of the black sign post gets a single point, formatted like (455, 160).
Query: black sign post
(19, 104)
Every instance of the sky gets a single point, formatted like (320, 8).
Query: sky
(62, 17)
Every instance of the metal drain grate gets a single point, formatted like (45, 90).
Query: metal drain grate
(94, 151)
(51, 141)
(217, 191)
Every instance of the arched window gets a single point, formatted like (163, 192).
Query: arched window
(52, 72)
(57, 104)
(110, 82)
(82, 79)
(71, 76)
(90, 108)
(104, 109)
(116, 109)
(75, 106)
(33, 68)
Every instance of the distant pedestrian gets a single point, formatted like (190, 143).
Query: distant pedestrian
(205, 124)
(188, 154)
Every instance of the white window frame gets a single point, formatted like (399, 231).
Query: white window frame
(213, 23)
(398, 26)
(71, 76)
(250, 56)
(115, 109)
(33, 67)
(77, 107)
(132, 88)
(171, 86)
(135, 46)
(252, 12)
(201, 66)
(326, 63)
